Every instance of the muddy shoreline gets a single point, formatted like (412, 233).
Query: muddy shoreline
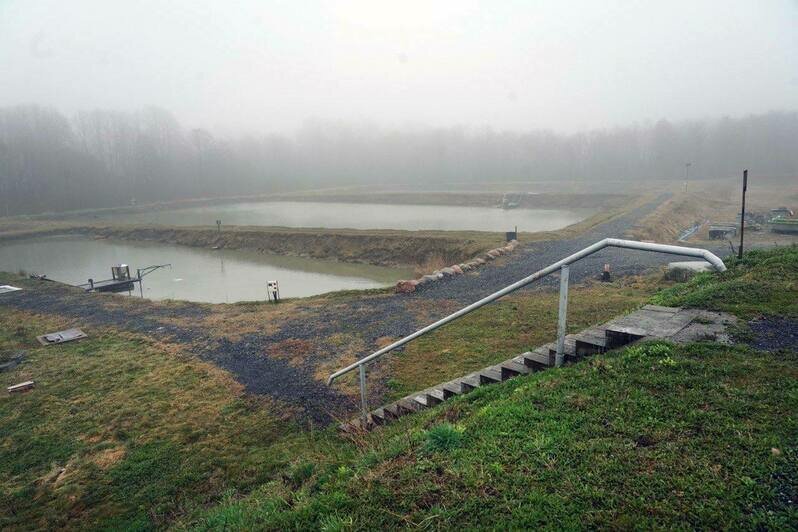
(380, 248)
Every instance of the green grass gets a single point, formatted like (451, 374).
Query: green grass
(125, 433)
(652, 436)
(763, 282)
(121, 433)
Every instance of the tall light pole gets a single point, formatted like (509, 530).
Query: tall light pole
(686, 174)
(742, 215)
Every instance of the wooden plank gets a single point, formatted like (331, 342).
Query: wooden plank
(21, 387)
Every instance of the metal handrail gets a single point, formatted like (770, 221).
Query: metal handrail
(563, 264)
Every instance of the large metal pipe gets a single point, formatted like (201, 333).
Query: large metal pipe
(598, 246)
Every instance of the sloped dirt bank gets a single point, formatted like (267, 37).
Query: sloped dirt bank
(384, 248)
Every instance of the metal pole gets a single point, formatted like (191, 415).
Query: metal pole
(742, 215)
(141, 283)
(563, 315)
(363, 406)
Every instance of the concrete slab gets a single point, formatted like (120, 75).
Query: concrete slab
(60, 337)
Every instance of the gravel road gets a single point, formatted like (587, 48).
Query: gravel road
(364, 320)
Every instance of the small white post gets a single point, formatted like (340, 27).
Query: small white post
(563, 315)
(363, 406)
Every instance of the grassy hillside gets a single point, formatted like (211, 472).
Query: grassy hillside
(655, 435)
(125, 432)
(763, 282)
(119, 432)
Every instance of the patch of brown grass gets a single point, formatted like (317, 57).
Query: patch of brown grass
(108, 457)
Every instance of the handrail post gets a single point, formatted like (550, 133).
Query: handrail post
(563, 315)
(363, 406)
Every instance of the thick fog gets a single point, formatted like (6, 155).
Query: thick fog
(259, 66)
(103, 102)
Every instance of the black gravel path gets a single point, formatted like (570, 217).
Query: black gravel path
(367, 319)
(774, 333)
(245, 358)
(530, 258)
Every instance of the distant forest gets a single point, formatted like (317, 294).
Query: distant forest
(49, 162)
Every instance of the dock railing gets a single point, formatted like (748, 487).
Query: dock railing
(563, 267)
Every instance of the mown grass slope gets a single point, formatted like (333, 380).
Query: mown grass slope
(124, 433)
(763, 282)
(652, 436)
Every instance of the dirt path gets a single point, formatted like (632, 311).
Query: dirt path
(325, 333)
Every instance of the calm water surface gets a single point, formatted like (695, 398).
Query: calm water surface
(361, 216)
(197, 274)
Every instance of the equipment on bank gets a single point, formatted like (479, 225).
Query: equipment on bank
(273, 291)
(121, 281)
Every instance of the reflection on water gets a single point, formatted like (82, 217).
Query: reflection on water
(197, 274)
(362, 216)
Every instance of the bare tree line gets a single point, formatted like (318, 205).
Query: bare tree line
(49, 162)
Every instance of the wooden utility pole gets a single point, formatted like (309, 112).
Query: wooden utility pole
(742, 215)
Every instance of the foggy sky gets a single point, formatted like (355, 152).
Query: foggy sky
(268, 66)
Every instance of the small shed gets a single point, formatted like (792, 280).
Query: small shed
(722, 231)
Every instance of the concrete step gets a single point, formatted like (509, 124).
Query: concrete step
(394, 410)
(451, 389)
(619, 336)
(469, 383)
(569, 347)
(436, 395)
(510, 369)
(408, 406)
(490, 376)
(422, 400)
(380, 417)
(590, 342)
(649, 322)
(540, 358)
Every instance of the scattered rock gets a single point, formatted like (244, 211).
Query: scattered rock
(404, 287)
(457, 269)
(774, 333)
(12, 362)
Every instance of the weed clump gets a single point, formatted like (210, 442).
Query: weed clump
(444, 437)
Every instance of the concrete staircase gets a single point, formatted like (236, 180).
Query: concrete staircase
(651, 322)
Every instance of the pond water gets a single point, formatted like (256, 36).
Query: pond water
(360, 216)
(197, 274)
